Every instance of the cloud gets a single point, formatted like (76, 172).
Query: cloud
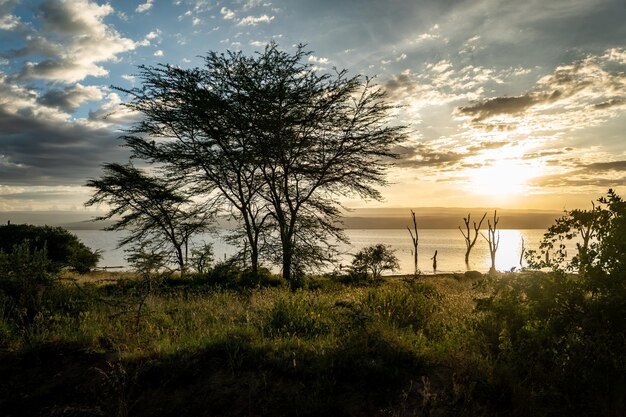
(584, 93)
(227, 14)
(71, 42)
(42, 145)
(70, 98)
(317, 60)
(158, 53)
(255, 20)
(606, 166)
(144, 7)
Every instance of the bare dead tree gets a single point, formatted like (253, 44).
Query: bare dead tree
(415, 238)
(493, 240)
(522, 253)
(469, 241)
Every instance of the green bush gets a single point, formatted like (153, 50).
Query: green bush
(24, 278)
(63, 249)
(562, 337)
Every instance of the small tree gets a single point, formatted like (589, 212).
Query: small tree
(156, 213)
(493, 240)
(63, 249)
(415, 239)
(469, 240)
(585, 224)
(202, 257)
(375, 259)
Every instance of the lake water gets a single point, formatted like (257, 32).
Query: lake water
(448, 243)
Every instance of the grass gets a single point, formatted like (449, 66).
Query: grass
(397, 348)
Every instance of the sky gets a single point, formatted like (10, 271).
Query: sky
(514, 104)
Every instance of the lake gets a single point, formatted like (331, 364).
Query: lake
(448, 243)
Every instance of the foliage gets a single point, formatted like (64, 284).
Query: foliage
(270, 140)
(154, 211)
(202, 258)
(63, 249)
(564, 334)
(24, 277)
(375, 259)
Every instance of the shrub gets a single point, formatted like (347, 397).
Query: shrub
(375, 259)
(563, 334)
(24, 277)
(63, 249)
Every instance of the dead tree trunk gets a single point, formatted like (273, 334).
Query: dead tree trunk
(493, 240)
(469, 241)
(415, 239)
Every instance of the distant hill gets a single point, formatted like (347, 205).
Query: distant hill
(447, 218)
(365, 218)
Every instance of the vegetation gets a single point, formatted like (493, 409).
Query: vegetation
(230, 343)
(62, 248)
(159, 218)
(269, 141)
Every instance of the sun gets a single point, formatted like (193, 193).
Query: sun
(506, 177)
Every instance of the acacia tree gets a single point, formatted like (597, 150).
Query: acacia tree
(469, 241)
(321, 136)
(154, 212)
(271, 137)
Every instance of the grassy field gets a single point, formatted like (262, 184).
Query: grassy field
(106, 344)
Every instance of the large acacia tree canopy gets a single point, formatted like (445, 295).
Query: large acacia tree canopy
(271, 137)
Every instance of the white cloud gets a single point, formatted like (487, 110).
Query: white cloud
(255, 20)
(318, 60)
(401, 57)
(196, 21)
(227, 14)
(144, 7)
(71, 42)
(158, 53)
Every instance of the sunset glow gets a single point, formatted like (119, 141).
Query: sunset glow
(518, 101)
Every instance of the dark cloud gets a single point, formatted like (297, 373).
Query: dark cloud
(498, 105)
(46, 152)
(423, 156)
(606, 166)
(609, 103)
(70, 98)
(547, 153)
(489, 145)
(572, 180)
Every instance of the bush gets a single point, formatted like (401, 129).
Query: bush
(63, 249)
(375, 259)
(24, 277)
(563, 334)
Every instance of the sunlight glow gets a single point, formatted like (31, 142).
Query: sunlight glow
(503, 177)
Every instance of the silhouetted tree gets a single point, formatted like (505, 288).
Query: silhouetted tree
(271, 137)
(469, 241)
(585, 224)
(493, 240)
(154, 212)
(62, 248)
(375, 259)
(415, 240)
